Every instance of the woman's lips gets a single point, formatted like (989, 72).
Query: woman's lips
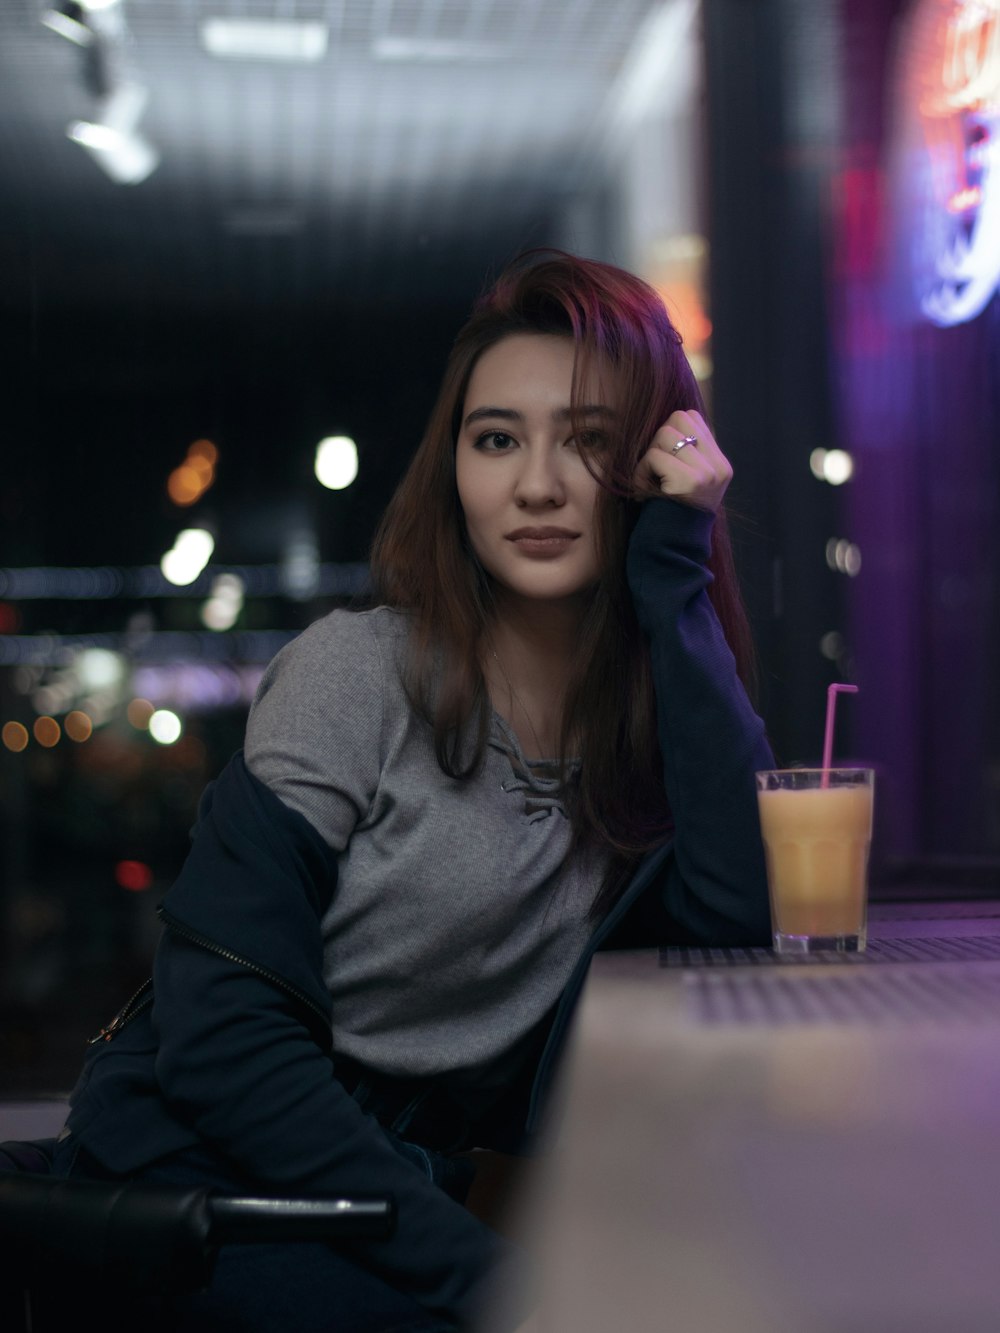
(542, 541)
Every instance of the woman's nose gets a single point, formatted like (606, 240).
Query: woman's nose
(540, 480)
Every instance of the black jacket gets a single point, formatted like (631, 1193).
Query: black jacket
(235, 1049)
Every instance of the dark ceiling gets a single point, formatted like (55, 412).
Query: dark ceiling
(296, 264)
(430, 132)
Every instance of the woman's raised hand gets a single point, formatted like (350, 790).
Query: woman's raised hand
(685, 463)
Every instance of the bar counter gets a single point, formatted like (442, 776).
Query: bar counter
(745, 1145)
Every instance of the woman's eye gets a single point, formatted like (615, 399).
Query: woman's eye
(495, 442)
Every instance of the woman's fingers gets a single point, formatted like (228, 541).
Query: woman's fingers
(685, 462)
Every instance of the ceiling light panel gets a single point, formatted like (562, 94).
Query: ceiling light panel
(257, 39)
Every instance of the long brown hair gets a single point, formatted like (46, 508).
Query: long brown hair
(422, 561)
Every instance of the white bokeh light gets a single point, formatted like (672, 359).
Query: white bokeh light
(99, 669)
(336, 463)
(188, 556)
(843, 556)
(165, 726)
(831, 465)
(838, 467)
(225, 603)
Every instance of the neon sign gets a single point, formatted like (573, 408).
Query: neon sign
(948, 155)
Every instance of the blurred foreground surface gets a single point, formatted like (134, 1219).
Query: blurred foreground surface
(749, 1148)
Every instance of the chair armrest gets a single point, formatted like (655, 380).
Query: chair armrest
(237, 1221)
(156, 1238)
(136, 1237)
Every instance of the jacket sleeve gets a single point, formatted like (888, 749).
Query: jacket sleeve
(712, 888)
(240, 1059)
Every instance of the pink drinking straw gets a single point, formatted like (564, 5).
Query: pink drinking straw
(831, 708)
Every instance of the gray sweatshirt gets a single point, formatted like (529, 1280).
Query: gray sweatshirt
(458, 915)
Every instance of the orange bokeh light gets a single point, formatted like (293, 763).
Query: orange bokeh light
(204, 449)
(201, 467)
(684, 302)
(184, 485)
(78, 726)
(189, 482)
(138, 712)
(47, 731)
(15, 736)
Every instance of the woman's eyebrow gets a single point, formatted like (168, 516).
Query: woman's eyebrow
(559, 414)
(503, 413)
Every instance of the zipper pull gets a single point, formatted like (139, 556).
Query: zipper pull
(139, 1000)
(108, 1032)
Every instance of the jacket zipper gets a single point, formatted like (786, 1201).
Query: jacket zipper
(141, 1000)
(192, 936)
(143, 997)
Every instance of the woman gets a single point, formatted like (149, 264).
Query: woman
(536, 744)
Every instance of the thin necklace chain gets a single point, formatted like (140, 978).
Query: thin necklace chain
(520, 703)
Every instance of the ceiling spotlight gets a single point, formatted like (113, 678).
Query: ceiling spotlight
(112, 138)
(92, 134)
(69, 21)
(127, 158)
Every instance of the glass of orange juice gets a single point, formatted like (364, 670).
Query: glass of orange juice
(817, 827)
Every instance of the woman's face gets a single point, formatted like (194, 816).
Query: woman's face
(529, 500)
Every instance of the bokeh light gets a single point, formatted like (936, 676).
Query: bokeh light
(204, 449)
(138, 712)
(78, 726)
(834, 466)
(49, 699)
(225, 603)
(47, 731)
(843, 556)
(831, 645)
(336, 463)
(99, 669)
(184, 485)
(15, 736)
(135, 876)
(189, 482)
(188, 556)
(165, 726)
(201, 467)
(838, 467)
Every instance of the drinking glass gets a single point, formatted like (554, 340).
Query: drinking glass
(817, 826)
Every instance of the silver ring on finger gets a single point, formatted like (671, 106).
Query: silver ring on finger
(683, 444)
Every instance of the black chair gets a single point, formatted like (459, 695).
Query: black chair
(125, 1251)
